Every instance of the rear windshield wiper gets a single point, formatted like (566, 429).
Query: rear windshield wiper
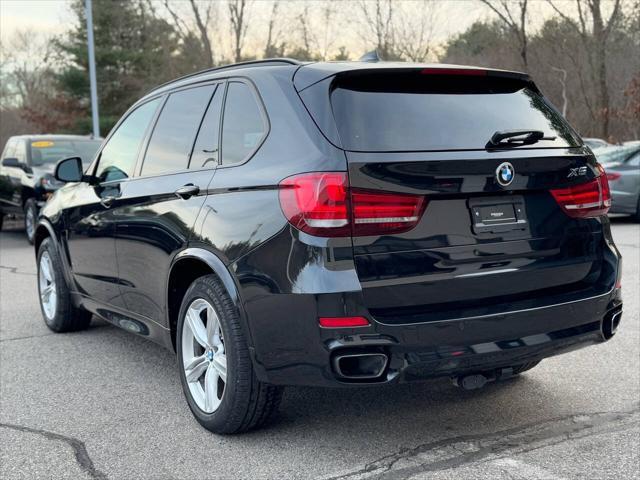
(516, 138)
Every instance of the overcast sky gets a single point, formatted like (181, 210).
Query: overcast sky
(454, 16)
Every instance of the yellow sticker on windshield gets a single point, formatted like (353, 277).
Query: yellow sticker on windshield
(42, 144)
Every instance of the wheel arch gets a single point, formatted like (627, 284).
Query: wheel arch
(186, 267)
(43, 230)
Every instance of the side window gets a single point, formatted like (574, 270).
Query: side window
(243, 126)
(205, 151)
(9, 149)
(21, 151)
(118, 157)
(634, 161)
(172, 138)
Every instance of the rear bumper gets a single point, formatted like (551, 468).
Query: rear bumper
(305, 354)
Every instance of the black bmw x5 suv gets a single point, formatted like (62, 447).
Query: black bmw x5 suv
(335, 224)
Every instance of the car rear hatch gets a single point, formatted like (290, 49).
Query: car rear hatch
(467, 227)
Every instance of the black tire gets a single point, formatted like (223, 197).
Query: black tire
(518, 369)
(636, 217)
(246, 402)
(30, 215)
(66, 317)
(1, 220)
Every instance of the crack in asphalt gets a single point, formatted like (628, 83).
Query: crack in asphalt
(53, 334)
(458, 451)
(79, 449)
(2, 340)
(15, 270)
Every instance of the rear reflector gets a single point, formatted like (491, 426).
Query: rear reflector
(343, 322)
(322, 204)
(590, 199)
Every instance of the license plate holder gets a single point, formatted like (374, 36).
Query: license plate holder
(498, 214)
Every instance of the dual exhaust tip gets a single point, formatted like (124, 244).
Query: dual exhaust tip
(360, 366)
(372, 366)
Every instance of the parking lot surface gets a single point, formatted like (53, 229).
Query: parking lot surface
(104, 403)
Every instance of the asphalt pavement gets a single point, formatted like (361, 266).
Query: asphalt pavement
(104, 403)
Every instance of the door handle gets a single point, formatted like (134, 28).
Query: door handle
(187, 191)
(107, 201)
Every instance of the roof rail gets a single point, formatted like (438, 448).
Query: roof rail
(231, 66)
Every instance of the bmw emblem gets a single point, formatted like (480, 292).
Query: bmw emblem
(505, 174)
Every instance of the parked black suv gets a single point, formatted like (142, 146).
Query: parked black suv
(26, 172)
(335, 224)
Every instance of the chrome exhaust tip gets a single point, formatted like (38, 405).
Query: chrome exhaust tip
(610, 324)
(360, 366)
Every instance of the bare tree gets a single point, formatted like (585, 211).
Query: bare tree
(308, 38)
(595, 30)
(273, 33)
(416, 30)
(327, 15)
(563, 83)
(203, 14)
(238, 15)
(377, 16)
(513, 14)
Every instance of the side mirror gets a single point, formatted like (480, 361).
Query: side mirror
(11, 162)
(70, 170)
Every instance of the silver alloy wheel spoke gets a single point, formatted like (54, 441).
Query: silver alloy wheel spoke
(211, 400)
(197, 327)
(29, 221)
(219, 362)
(44, 266)
(203, 355)
(212, 326)
(47, 286)
(195, 368)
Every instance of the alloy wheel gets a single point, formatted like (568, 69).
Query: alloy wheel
(29, 222)
(203, 355)
(47, 286)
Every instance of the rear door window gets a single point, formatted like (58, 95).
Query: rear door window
(119, 155)
(412, 112)
(206, 150)
(243, 124)
(175, 131)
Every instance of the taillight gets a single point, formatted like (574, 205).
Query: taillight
(379, 213)
(590, 199)
(322, 204)
(473, 72)
(317, 203)
(611, 176)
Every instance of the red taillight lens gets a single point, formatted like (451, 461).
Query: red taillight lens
(343, 322)
(473, 72)
(317, 203)
(590, 199)
(322, 204)
(611, 176)
(379, 213)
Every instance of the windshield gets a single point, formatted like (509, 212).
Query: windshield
(414, 112)
(615, 154)
(51, 151)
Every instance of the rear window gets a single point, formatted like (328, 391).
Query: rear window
(51, 151)
(412, 112)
